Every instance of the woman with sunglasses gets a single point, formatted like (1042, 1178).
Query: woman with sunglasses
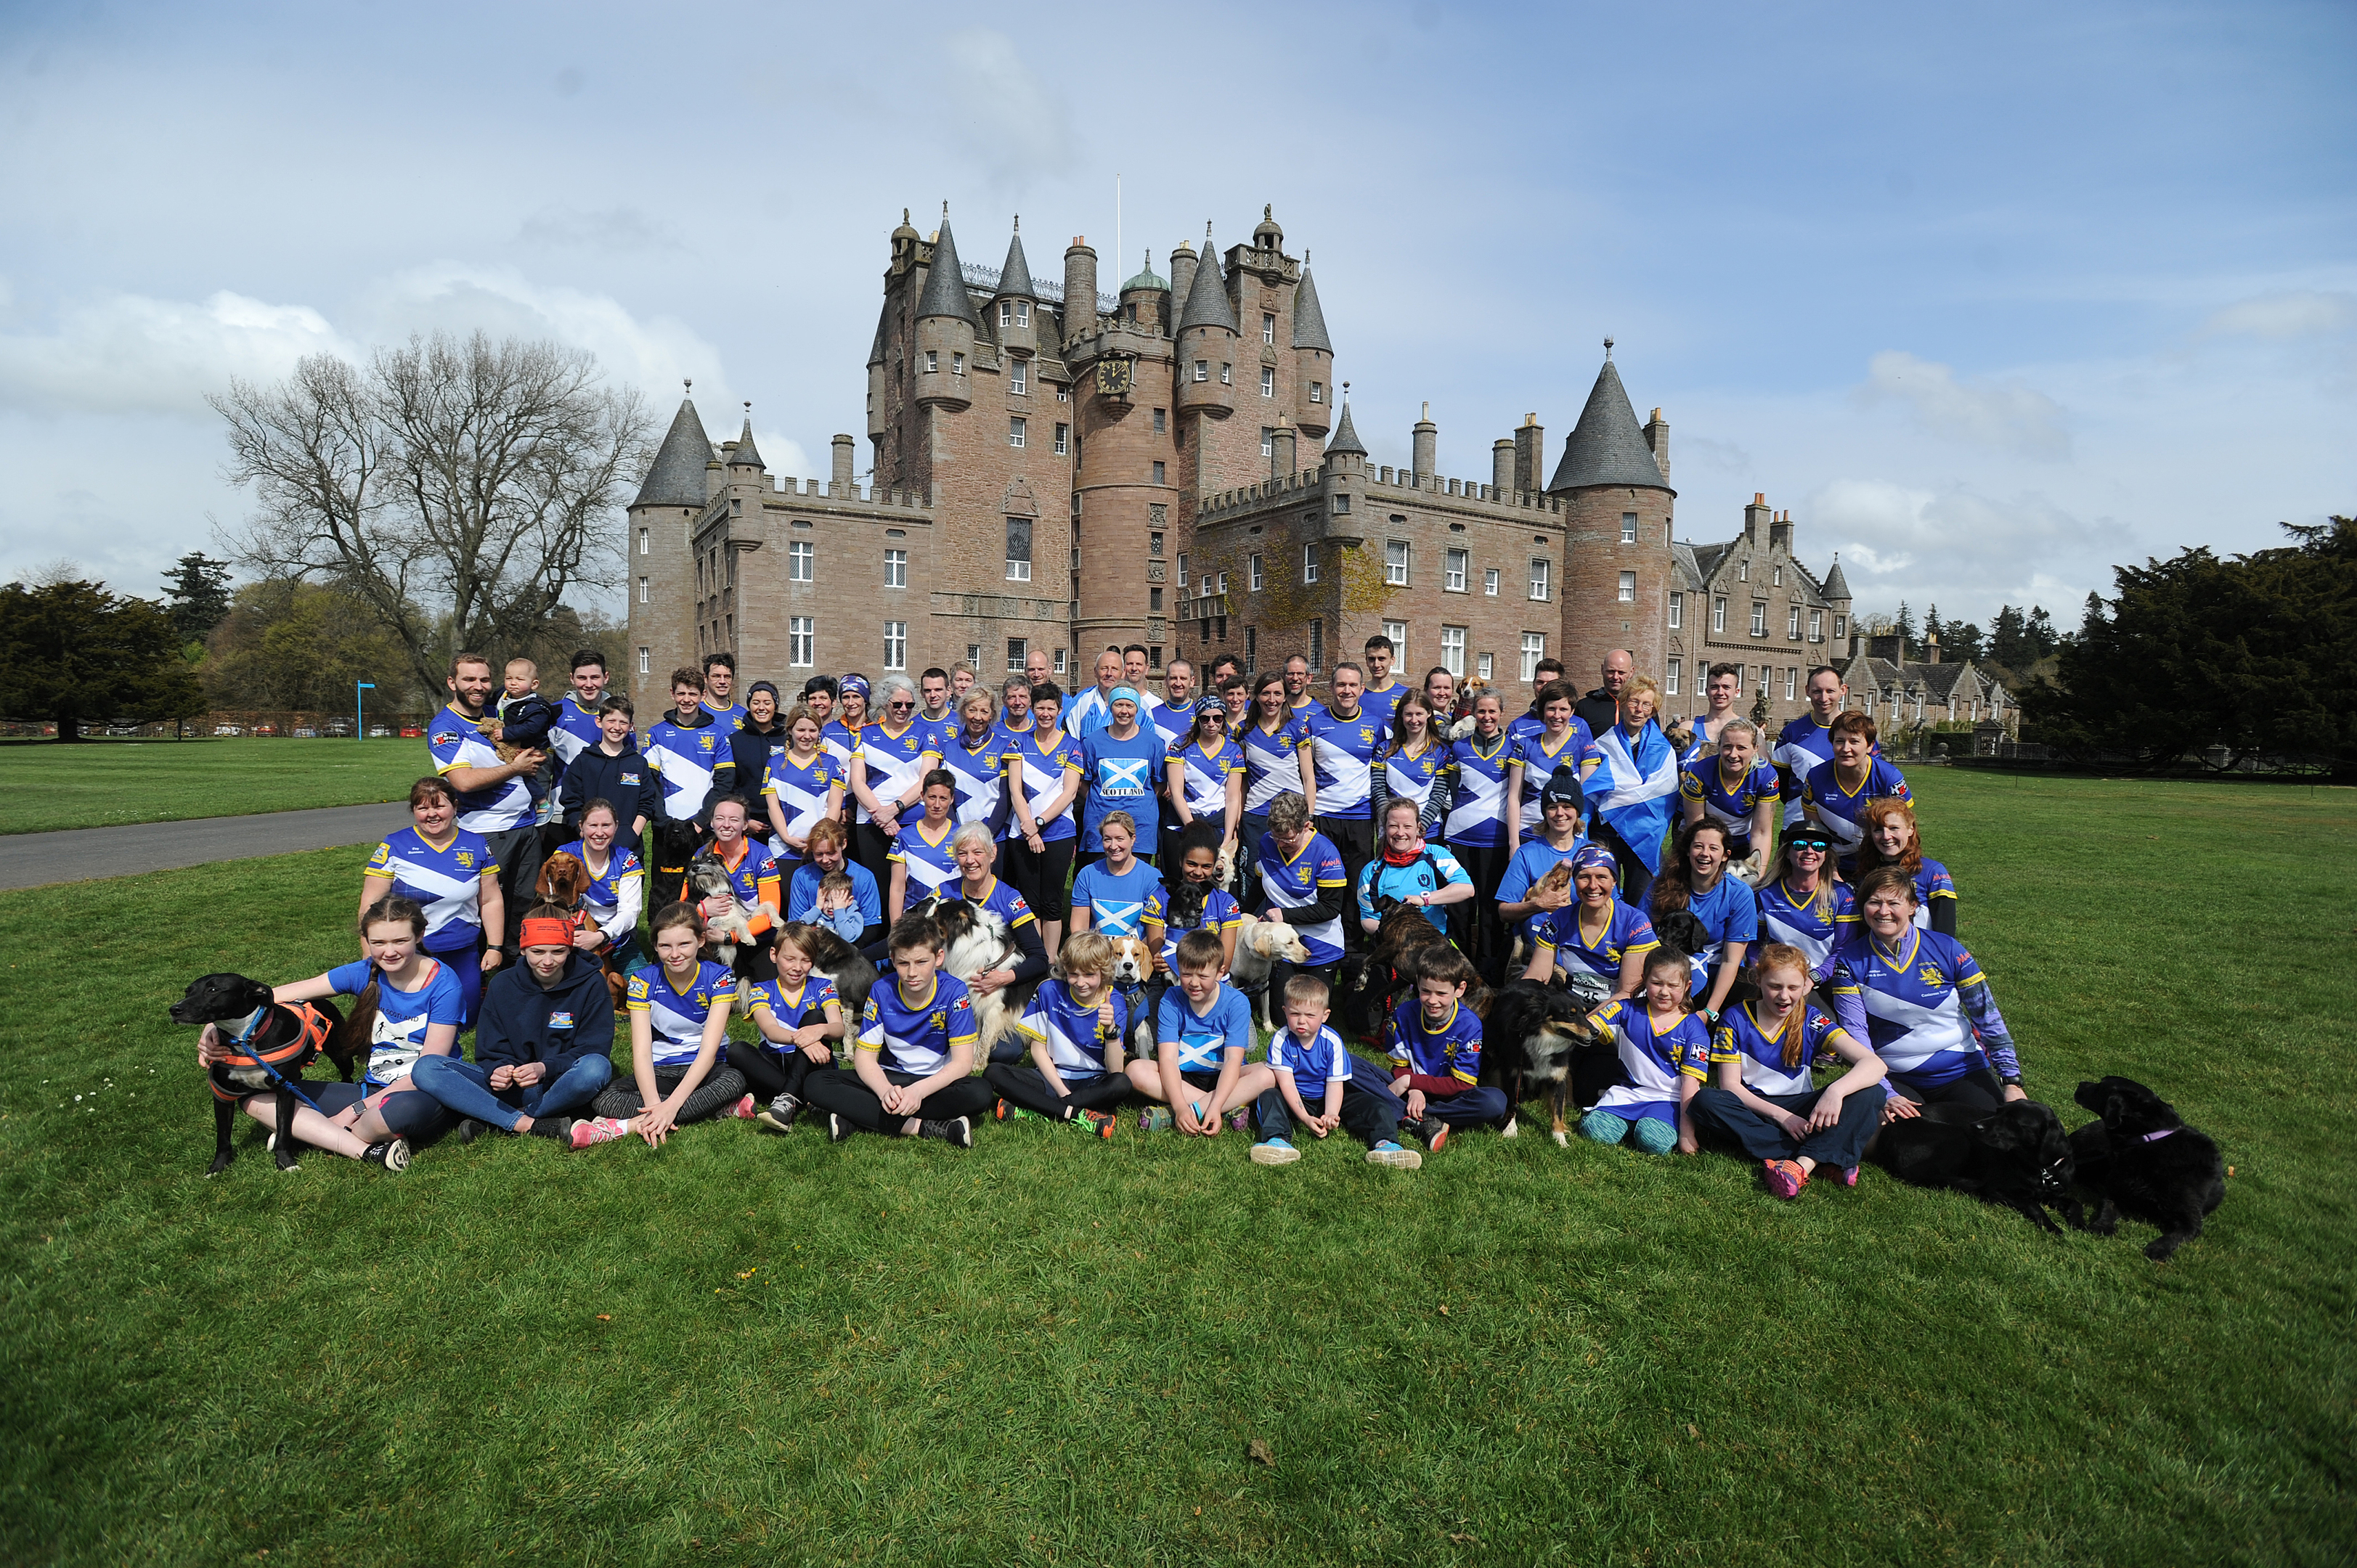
(888, 775)
(1206, 777)
(1802, 904)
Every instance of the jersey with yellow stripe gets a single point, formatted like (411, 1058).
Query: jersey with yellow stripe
(1206, 777)
(1628, 932)
(1760, 1055)
(1837, 810)
(456, 743)
(1450, 1048)
(926, 860)
(801, 789)
(1915, 998)
(1541, 757)
(1271, 762)
(916, 1036)
(895, 762)
(1343, 750)
(1299, 883)
(448, 882)
(1931, 881)
(676, 1017)
(1817, 924)
(1652, 1060)
(981, 773)
(1074, 1033)
(685, 758)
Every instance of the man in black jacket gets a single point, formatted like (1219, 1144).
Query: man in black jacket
(612, 771)
(1602, 707)
(543, 1040)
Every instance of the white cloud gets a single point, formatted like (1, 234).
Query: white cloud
(2297, 313)
(2011, 416)
(129, 351)
(1957, 546)
(1013, 123)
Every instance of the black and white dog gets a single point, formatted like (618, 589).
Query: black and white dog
(2142, 1158)
(975, 941)
(1537, 1036)
(271, 1043)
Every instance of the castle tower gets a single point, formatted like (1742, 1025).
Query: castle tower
(1017, 302)
(1836, 591)
(661, 565)
(946, 329)
(1313, 357)
(1617, 522)
(1206, 345)
(1079, 291)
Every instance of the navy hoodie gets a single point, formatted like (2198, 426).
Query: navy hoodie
(627, 781)
(523, 1021)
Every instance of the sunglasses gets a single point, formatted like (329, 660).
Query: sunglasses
(1811, 846)
(901, 702)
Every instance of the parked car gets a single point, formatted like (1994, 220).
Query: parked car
(378, 732)
(338, 728)
(409, 733)
(265, 729)
(228, 729)
(123, 729)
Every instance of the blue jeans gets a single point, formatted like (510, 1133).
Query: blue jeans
(465, 1089)
(1479, 1105)
(1842, 1144)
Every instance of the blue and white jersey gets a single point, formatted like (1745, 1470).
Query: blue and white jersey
(1313, 1063)
(1652, 1060)
(1729, 911)
(1477, 800)
(1089, 713)
(676, 1017)
(1816, 925)
(917, 1036)
(1534, 858)
(456, 743)
(802, 892)
(1221, 914)
(1627, 931)
(1075, 1035)
(805, 1004)
(1522, 726)
(926, 859)
(1837, 810)
(1730, 808)
(1006, 903)
(1410, 777)
(1344, 750)
(1171, 720)
(1914, 995)
(1120, 906)
(1931, 881)
(604, 894)
(1043, 780)
(1450, 1048)
(1430, 872)
(1271, 762)
(401, 1016)
(1204, 1039)
(684, 758)
(447, 883)
(1383, 702)
(1761, 1056)
(1207, 775)
(802, 788)
(1119, 775)
(839, 741)
(725, 719)
(1801, 746)
(1541, 757)
(574, 732)
(981, 770)
(1302, 881)
(894, 763)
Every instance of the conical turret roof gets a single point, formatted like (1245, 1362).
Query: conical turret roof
(1836, 586)
(945, 284)
(676, 476)
(1346, 436)
(745, 451)
(1014, 277)
(1309, 320)
(1207, 298)
(1607, 446)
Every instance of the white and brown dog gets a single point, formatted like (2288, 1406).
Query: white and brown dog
(1259, 944)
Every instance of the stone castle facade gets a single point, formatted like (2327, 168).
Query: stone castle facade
(1172, 464)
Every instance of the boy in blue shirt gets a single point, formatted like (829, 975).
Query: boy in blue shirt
(1075, 1026)
(1202, 1031)
(1436, 1054)
(912, 1062)
(1306, 1053)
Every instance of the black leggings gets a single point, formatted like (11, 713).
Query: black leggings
(842, 1092)
(1028, 1087)
(721, 1088)
(1040, 877)
(1475, 925)
(1975, 1090)
(769, 1072)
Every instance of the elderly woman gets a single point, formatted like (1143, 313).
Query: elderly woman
(1635, 791)
(448, 872)
(887, 772)
(1919, 1000)
(1737, 787)
(976, 853)
(1119, 767)
(1597, 942)
(974, 754)
(1407, 870)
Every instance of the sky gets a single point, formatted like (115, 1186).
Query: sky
(1989, 297)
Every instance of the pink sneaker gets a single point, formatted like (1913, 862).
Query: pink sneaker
(1785, 1178)
(597, 1129)
(742, 1111)
(1847, 1175)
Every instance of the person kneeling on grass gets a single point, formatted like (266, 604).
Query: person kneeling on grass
(1664, 1054)
(797, 1015)
(679, 1026)
(1202, 1032)
(1075, 1026)
(1436, 1054)
(911, 1067)
(1765, 1099)
(1356, 1096)
(543, 1045)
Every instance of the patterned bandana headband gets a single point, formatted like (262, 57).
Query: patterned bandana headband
(543, 932)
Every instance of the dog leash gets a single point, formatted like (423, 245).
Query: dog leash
(260, 1015)
(2163, 1132)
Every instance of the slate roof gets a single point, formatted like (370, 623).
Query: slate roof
(1686, 566)
(1207, 298)
(1607, 446)
(1346, 436)
(1014, 277)
(1309, 320)
(1706, 558)
(745, 451)
(1836, 586)
(676, 476)
(945, 284)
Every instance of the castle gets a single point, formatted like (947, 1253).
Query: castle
(1173, 465)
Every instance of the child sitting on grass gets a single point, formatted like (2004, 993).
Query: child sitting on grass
(1436, 1054)
(1305, 1053)
(1664, 1058)
(910, 1069)
(1202, 1031)
(679, 1018)
(798, 1016)
(838, 906)
(1075, 1026)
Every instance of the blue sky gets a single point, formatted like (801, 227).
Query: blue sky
(1989, 297)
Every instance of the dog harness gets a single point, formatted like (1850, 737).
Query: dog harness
(280, 1061)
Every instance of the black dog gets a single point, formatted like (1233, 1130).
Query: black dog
(1535, 1035)
(2015, 1155)
(2143, 1158)
(288, 1038)
(1684, 929)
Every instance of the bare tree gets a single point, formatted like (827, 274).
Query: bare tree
(461, 489)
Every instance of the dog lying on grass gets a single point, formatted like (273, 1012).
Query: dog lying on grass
(2143, 1159)
(2015, 1155)
(288, 1038)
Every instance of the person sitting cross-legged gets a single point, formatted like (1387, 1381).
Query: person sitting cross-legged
(1202, 1033)
(1308, 1057)
(911, 1065)
(1765, 1097)
(679, 1017)
(1075, 1026)
(1436, 1054)
(543, 1045)
(797, 1017)
(1664, 1051)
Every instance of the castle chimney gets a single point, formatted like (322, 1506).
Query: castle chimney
(1501, 466)
(1080, 290)
(1756, 518)
(1530, 455)
(1779, 532)
(1932, 648)
(1183, 261)
(1657, 441)
(1426, 446)
(839, 483)
(1281, 460)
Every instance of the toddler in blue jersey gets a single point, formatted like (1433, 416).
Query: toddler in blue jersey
(1074, 1026)
(1436, 1043)
(1308, 1058)
(1203, 1034)
(1664, 1053)
(1764, 1097)
(912, 1063)
(679, 1008)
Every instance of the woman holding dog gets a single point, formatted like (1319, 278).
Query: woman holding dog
(449, 872)
(976, 853)
(1475, 831)
(615, 893)
(1891, 839)
(1919, 999)
(1763, 1095)
(1599, 942)
(1696, 882)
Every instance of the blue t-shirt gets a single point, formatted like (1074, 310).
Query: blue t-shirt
(1534, 858)
(1730, 809)
(1075, 1035)
(1450, 1049)
(1314, 1063)
(1383, 702)
(675, 1018)
(1653, 1061)
(1628, 932)
(1429, 873)
(1203, 1039)
(1931, 881)
(1410, 778)
(725, 720)
(401, 1016)
(1731, 913)
(802, 892)
(1915, 1018)
(981, 773)
(575, 731)
(1119, 776)
(1300, 882)
(621, 865)
(807, 1004)
(1120, 906)
(916, 1037)
(447, 883)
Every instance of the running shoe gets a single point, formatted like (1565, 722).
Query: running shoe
(599, 1130)
(1434, 1131)
(1274, 1152)
(778, 1116)
(391, 1154)
(1100, 1122)
(1847, 1175)
(558, 1127)
(1392, 1155)
(1785, 1178)
(1002, 1112)
(1156, 1119)
(837, 1129)
(741, 1111)
(957, 1130)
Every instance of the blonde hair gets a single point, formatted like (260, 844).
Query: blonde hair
(1086, 952)
(1644, 685)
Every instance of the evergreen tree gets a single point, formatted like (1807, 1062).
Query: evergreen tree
(2040, 634)
(72, 650)
(195, 594)
(2009, 642)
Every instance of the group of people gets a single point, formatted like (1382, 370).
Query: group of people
(1727, 910)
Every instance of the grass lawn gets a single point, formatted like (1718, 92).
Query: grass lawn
(103, 783)
(1054, 1350)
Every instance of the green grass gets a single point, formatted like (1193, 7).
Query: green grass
(97, 784)
(1054, 1350)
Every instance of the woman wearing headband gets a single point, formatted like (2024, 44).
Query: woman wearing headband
(1597, 942)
